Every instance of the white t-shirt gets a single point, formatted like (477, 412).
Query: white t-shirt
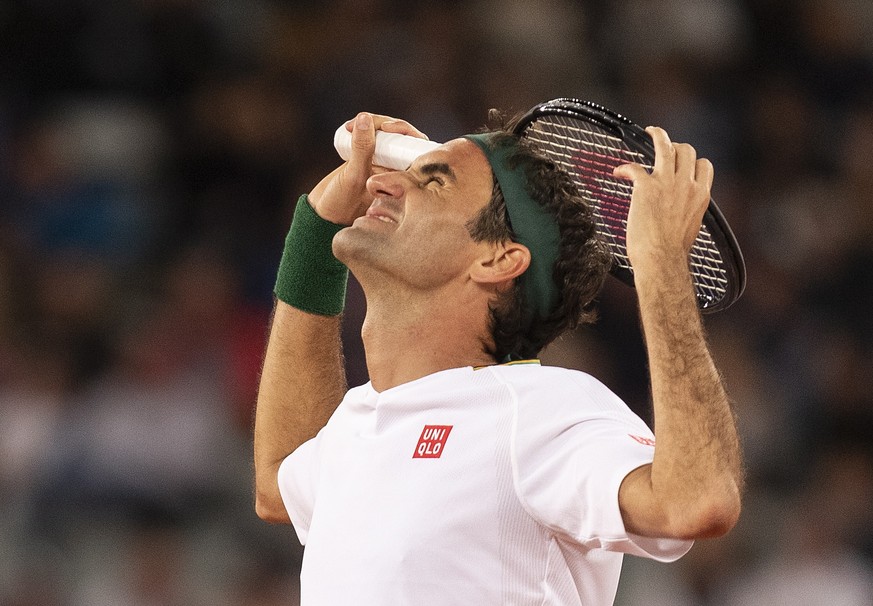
(469, 486)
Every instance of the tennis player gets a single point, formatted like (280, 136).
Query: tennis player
(465, 472)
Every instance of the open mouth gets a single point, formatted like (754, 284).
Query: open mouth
(378, 210)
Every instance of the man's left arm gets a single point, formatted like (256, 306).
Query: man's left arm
(692, 489)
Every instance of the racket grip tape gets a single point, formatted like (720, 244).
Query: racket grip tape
(393, 150)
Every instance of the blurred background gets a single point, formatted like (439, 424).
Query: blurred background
(151, 153)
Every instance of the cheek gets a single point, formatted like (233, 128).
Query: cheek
(441, 234)
(445, 248)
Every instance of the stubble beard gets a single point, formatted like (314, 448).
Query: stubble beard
(360, 251)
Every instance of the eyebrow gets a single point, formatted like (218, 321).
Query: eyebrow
(438, 167)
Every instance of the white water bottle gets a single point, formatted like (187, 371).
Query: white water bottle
(393, 150)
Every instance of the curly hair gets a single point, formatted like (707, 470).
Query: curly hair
(580, 269)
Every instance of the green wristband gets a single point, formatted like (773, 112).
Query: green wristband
(310, 278)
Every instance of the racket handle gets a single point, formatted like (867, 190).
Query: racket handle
(393, 150)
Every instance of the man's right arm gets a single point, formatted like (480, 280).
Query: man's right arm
(302, 382)
(303, 378)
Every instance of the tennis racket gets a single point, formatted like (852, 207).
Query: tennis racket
(589, 141)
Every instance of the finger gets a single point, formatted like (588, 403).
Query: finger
(704, 172)
(686, 157)
(665, 153)
(686, 161)
(363, 147)
(400, 126)
(632, 172)
(377, 120)
(391, 125)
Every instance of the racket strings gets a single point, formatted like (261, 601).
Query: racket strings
(591, 164)
(589, 154)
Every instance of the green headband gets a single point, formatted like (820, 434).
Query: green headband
(532, 224)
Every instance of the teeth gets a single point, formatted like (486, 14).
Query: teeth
(384, 219)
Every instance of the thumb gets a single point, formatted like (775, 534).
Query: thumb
(363, 147)
(631, 172)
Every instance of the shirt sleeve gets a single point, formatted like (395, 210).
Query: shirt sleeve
(297, 479)
(571, 454)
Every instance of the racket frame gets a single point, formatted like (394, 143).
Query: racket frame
(639, 140)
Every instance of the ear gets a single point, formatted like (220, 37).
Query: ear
(500, 262)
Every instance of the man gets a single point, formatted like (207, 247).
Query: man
(454, 477)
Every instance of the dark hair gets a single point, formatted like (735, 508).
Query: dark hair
(582, 264)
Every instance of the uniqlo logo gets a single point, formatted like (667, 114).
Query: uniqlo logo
(432, 441)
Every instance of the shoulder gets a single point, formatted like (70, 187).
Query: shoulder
(552, 398)
(553, 383)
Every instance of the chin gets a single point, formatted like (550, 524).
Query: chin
(353, 245)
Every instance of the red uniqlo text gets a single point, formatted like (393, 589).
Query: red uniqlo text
(432, 441)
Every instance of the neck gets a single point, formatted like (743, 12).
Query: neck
(411, 338)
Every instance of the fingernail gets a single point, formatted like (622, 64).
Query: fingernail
(363, 121)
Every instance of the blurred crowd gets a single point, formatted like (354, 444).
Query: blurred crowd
(151, 152)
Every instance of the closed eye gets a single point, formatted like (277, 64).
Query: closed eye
(433, 179)
(437, 172)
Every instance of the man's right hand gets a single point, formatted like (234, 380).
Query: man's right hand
(341, 197)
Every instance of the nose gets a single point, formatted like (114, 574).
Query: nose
(387, 185)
